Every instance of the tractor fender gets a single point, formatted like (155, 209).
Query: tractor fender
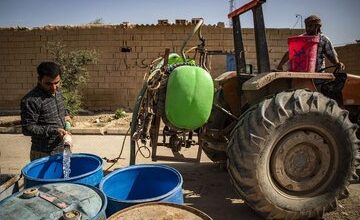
(261, 80)
(225, 76)
(352, 84)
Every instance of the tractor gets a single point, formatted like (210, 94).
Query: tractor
(290, 148)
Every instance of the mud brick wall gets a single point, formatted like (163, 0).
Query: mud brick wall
(116, 78)
(350, 56)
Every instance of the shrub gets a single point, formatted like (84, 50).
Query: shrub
(75, 75)
(120, 113)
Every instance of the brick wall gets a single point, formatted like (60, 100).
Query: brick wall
(117, 77)
(350, 56)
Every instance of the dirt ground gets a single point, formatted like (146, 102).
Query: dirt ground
(105, 120)
(212, 179)
(348, 208)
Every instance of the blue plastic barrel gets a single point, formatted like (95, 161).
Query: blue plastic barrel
(85, 169)
(141, 183)
(55, 201)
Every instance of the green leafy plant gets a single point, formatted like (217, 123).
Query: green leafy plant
(75, 75)
(120, 113)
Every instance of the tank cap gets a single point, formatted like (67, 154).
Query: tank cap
(30, 193)
(72, 215)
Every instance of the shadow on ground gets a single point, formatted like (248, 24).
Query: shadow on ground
(207, 187)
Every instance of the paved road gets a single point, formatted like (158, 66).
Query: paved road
(206, 185)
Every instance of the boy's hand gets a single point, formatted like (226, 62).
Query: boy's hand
(61, 132)
(68, 118)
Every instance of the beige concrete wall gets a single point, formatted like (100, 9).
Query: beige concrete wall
(117, 77)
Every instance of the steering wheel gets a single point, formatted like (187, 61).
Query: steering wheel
(336, 70)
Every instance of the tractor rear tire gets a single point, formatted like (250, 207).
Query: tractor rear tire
(292, 155)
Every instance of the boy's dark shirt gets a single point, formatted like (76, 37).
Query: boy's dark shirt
(41, 115)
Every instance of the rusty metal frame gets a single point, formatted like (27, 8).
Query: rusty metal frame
(262, 53)
(245, 8)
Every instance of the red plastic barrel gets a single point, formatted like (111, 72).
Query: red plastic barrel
(303, 53)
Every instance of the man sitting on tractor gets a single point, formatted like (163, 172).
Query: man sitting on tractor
(325, 48)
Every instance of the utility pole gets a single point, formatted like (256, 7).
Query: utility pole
(299, 17)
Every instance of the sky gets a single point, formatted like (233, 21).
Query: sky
(341, 18)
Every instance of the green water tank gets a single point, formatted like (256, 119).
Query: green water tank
(174, 58)
(55, 201)
(189, 97)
